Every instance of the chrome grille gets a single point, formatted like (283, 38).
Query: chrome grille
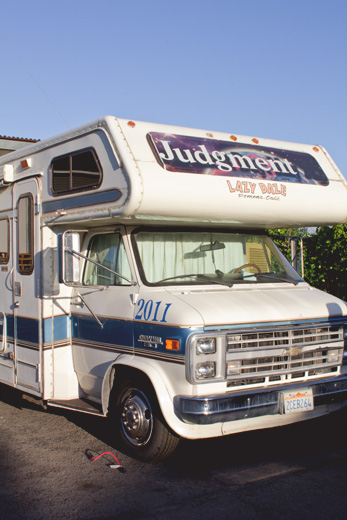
(311, 335)
(268, 356)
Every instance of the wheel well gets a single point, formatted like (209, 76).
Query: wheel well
(122, 372)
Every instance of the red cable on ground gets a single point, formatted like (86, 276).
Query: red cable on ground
(106, 453)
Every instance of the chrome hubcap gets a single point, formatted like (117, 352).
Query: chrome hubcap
(136, 418)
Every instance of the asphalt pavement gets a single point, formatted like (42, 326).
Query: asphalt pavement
(296, 472)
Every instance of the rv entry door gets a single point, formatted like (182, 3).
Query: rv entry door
(26, 285)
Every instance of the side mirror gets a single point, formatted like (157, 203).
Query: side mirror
(70, 258)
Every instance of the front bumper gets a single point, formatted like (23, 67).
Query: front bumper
(256, 403)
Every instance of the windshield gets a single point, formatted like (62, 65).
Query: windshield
(199, 257)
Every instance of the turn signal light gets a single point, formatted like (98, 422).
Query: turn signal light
(172, 344)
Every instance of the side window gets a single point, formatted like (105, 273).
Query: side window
(25, 234)
(74, 172)
(4, 241)
(109, 252)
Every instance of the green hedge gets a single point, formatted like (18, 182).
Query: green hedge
(326, 260)
(325, 257)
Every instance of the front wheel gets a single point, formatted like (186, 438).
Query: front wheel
(140, 424)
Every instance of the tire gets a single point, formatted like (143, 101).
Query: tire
(140, 425)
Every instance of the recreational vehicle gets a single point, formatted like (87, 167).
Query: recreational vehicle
(139, 282)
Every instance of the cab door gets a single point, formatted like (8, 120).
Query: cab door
(26, 285)
(102, 309)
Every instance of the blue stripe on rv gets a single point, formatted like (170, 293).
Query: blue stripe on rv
(57, 329)
(82, 201)
(114, 332)
(127, 333)
(27, 329)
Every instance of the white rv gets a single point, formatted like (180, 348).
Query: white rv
(138, 281)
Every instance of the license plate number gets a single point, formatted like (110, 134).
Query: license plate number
(299, 400)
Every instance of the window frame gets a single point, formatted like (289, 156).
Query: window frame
(70, 155)
(289, 270)
(5, 259)
(30, 230)
(121, 243)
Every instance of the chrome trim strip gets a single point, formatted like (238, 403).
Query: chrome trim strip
(119, 349)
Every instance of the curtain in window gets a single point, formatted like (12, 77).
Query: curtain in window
(166, 255)
(108, 251)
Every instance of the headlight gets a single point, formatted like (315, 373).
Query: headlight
(205, 370)
(206, 346)
(206, 358)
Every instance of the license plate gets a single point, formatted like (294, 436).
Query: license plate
(299, 400)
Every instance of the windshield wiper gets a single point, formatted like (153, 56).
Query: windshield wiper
(273, 277)
(198, 276)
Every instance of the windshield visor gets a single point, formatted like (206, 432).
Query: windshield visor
(197, 257)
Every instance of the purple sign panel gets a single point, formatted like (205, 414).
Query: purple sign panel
(181, 153)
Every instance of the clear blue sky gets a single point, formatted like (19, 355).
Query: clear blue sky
(265, 68)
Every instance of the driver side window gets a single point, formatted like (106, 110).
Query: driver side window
(108, 251)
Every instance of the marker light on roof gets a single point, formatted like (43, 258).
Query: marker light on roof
(25, 163)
